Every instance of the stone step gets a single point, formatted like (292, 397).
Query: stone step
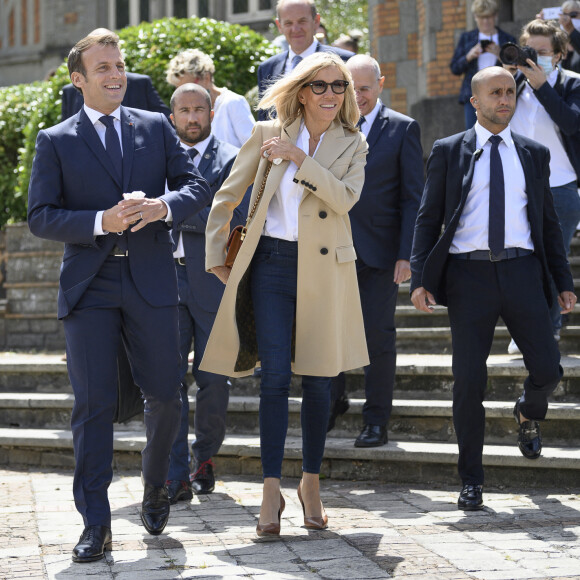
(418, 376)
(399, 461)
(437, 339)
(412, 420)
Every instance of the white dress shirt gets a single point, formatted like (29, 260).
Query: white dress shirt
(282, 215)
(473, 228)
(288, 66)
(532, 120)
(486, 59)
(200, 148)
(365, 128)
(233, 121)
(101, 128)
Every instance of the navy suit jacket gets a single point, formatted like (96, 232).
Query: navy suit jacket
(562, 103)
(449, 175)
(273, 68)
(384, 217)
(459, 64)
(73, 178)
(140, 94)
(215, 166)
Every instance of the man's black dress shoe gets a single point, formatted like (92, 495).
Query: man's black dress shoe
(178, 490)
(92, 544)
(529, 437)
(155, 508)
(471, 498)
(203, 480)
(338, 407)
(372, 436)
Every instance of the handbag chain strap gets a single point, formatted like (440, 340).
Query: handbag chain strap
(258, 198)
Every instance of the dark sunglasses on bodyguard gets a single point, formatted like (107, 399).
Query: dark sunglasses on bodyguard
(571, 14)
(319, 87)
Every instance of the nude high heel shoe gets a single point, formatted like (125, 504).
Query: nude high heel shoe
(313, 523)
(272, 529)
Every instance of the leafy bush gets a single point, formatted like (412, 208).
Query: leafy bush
(26, 109)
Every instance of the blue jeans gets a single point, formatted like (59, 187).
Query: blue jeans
(567, 205)
(273, 288)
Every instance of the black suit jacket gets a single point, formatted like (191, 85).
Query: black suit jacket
(140, 94)
(384, 217)
(449, 175)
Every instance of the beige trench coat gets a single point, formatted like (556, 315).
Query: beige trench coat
(329, 325)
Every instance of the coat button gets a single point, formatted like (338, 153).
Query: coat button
(322, 215)
(324, 251)
(313, 188)
(302, 182)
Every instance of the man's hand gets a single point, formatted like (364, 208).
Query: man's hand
(402, 271)
(535, 75)
(222, 272)
(567, 301)
(423, 300)
(133, 211)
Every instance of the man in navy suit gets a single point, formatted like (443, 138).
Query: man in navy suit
(118, 280)
(199, 298)
(298, 21)
(382, 229)
(140, 94)
(500, 247)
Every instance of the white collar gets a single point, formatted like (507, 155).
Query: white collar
(307, 52)
(483, 135)
(95, 116)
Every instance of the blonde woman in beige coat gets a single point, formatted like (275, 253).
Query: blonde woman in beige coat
(291, 302)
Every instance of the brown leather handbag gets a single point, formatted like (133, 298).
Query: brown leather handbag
(238, 234)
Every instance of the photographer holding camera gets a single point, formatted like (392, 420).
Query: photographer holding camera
(548, 111)
(476, 50)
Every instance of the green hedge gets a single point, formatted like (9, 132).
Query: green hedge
(25, 109)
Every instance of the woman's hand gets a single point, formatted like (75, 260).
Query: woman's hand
(222, 272)
(276, 148)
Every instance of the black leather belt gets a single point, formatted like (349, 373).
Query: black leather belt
(507, 254)
(180, 261)
(116, 251)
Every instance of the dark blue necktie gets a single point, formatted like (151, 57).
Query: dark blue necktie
(112, 144)
(496, 198)
(296, 60)
(361, 121)
(192, 152)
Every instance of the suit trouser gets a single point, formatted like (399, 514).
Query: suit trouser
(478, 293)
(109, 311)
(212, 396)
(378, 295)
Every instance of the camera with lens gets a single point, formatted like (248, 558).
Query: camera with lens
(514, 55)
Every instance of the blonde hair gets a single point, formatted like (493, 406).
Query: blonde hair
(189, 62)
(571, 5)
(479, 7)
(282, 96)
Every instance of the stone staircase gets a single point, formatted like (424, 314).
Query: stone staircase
(36, 399)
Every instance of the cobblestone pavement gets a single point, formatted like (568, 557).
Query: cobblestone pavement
(376, 530)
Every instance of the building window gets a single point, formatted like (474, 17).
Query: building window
(203, 8)
(180, 9)
(121, 14)
(240, 6)
(144, 11)
(265, 5)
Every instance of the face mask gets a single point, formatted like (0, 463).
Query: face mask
(545, 63)
(576, 23)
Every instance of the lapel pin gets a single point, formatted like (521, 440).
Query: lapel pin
(207, 156)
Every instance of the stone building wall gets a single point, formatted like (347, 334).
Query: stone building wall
(414, 40)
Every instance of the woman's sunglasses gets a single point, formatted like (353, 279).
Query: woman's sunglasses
(319, 87)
